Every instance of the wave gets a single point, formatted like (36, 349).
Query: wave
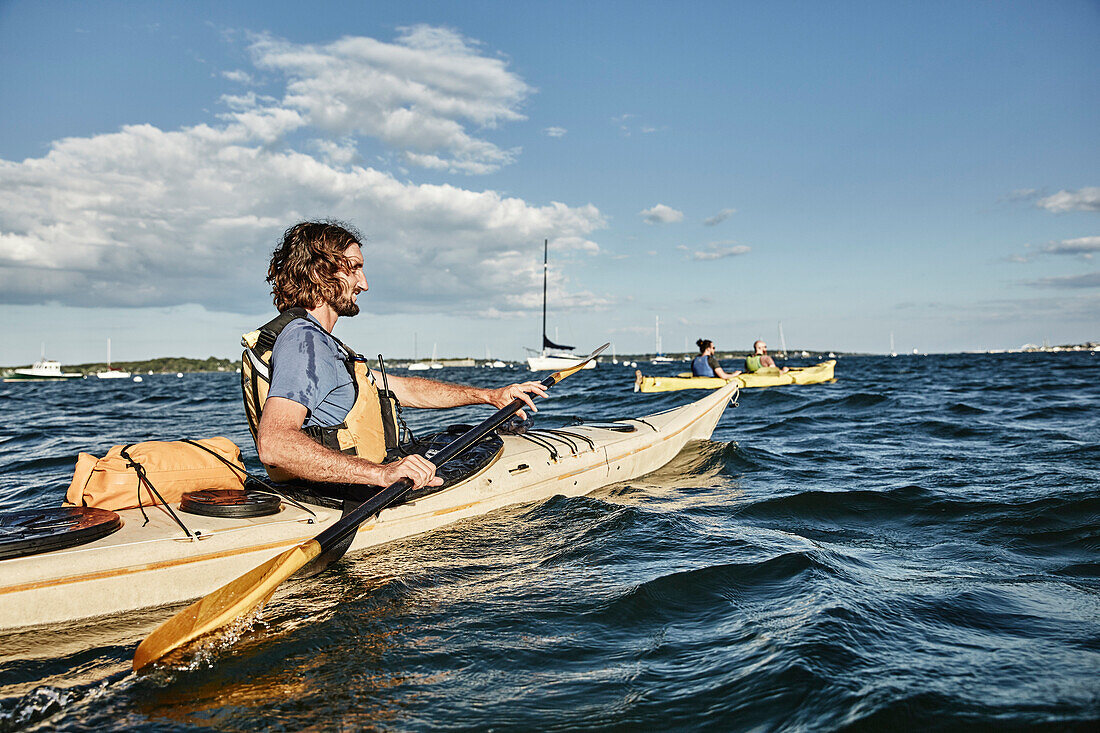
(1055, 413)
(944, 430)
(1059, 527)
(709, 591)
(961, 408)
(912, 546)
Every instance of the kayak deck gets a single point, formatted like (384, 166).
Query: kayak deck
(143, 565)
(766, 377)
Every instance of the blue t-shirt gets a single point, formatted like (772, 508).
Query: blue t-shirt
(310, 368)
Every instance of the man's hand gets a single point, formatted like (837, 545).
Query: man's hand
(503, 396)
(284, 446)
(417, 469)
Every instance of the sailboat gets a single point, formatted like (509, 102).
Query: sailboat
(422, 366)
(893, 351)
(782, 343)
(552, 356)
(492, 363)
(659, 358)
(112, 373)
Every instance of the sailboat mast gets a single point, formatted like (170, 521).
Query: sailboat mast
(545, 252)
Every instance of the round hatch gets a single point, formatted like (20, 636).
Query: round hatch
(229, 503)
(31, 531)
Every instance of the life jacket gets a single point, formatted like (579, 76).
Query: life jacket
(700, 367)
(370, 429)
(752, 363)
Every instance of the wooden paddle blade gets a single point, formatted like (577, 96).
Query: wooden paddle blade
(563, 373)
(224, 605)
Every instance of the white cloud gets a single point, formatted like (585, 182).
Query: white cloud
(416, 95)
(661, 214)
(151, 217)
(1085, 199)
(244, 102)
(555, 131)
(720, 250)
(626, 126)
(1084, 246)
(239, 76)
(337, 152)
(1087, 280)
(720, 217)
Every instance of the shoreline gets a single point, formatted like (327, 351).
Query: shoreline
(212, 365)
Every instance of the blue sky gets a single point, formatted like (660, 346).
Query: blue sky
(852, 170)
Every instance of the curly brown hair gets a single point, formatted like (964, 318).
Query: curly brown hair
(304, 267)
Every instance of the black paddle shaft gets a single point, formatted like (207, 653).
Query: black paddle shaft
(351, 521)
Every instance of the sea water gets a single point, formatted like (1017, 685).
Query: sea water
(913, 546)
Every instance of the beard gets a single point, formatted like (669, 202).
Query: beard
(344, 305)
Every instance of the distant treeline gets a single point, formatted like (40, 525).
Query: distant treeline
(162, 365)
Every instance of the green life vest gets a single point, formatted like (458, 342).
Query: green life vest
(752, 363)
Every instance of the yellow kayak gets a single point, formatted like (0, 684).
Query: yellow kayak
(766, 377)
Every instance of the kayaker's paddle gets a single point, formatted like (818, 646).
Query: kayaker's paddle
(252, 589)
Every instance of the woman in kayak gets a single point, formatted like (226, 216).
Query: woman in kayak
(705, 365)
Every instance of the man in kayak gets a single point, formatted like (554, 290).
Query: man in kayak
(326, 416)
(706, 365)
(760, 358)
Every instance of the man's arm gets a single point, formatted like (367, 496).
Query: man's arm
(719, 371)
(419, 392)
(767, 361)
(282, 444)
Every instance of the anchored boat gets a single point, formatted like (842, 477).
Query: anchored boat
(552, 356)
(111, 372)
(766, 377)
(43, 370)
(126, 564)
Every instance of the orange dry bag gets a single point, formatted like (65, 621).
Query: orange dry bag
(122, 478)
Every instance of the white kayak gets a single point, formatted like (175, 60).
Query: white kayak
(145, 565)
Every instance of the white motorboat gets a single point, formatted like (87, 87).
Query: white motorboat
(43, 370)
